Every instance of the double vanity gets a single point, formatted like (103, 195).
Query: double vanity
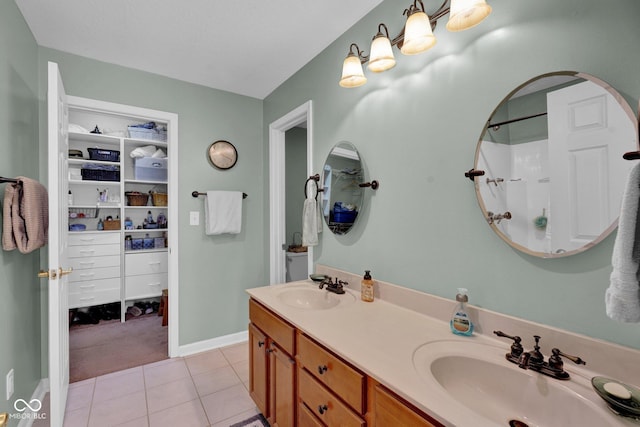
(319, 358)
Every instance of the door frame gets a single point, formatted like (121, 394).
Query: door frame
(277, 226)
(172, 194)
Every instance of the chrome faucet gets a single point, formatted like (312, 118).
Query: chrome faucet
(534, 359)
(336, 287)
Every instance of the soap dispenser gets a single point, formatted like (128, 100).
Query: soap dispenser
(461, 323)
(366, 287)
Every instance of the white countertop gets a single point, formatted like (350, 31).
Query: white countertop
(380, 339)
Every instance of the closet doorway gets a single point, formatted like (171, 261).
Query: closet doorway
(279, 241)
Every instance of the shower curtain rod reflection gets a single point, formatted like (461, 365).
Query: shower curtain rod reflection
(496, 126)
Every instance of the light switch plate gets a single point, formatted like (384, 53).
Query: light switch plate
(194, 218)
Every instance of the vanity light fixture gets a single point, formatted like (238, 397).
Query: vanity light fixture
(416, 37)
(381, 58)
(352, 74)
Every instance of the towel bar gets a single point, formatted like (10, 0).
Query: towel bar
(196, 194)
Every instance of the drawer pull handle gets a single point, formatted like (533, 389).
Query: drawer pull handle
(87, 251)
(154, 262)
(154, 284)
(270, 350)
(87, 299)
(322, 369)
(87, 239)
(260, 343)
(87, 263)
(87, 286)
(322, 409)
(87, 274)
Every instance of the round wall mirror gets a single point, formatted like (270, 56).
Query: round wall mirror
(342, 196)
(554, 174)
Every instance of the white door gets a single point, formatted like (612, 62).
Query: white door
(583, 168)
(58, 226)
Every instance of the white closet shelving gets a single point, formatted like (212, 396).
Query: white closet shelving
(116, 264)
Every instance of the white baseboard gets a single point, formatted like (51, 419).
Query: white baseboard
(223, 341)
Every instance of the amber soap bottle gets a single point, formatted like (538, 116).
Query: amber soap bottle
(366, 287)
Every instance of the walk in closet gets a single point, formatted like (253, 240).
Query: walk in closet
(118, 203)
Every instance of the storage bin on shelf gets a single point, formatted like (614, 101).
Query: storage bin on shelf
(104, 155)
(135, 198)
(111, 224)
(154, 134)
(159, 199)
(150, 169)
(89, 174)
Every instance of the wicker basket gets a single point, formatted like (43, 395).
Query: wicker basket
(159, 199)
(137, 199)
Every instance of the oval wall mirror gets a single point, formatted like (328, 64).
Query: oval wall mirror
(552, 156)
(342, 196)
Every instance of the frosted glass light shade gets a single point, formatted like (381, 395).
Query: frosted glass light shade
(381, 58)
(465, 14)
(418, 36)
(352, 74)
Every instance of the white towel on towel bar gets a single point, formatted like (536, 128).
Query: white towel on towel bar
(622, 299)
(223, 212)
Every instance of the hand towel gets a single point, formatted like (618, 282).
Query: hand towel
(311, 224)
(25, 216)
(223, 212)
(622, 298)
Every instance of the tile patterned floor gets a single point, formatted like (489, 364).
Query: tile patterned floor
(202, 390)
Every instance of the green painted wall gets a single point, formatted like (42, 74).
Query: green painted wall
(416, 127)
(20, 290)
(214, 270)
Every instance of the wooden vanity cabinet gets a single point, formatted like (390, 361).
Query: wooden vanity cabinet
(318, 388)
(272, 368)
(329, 387)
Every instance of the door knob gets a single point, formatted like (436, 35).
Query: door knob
(63, 272)
(43, 274)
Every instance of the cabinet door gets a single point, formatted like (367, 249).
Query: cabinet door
(258, 375)
(390, 411)
(282, 388)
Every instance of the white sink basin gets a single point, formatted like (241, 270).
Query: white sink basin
(309, 297)
(493, 391)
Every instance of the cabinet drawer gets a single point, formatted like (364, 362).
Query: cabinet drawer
(93, 298)
(93, 239)
(94, 274)
(87, 286)
(306, 417)
(274, 327)
(146, 285)
(345, 381)
(95, 262)
(328, 408)
(93, 250)
(147, 263)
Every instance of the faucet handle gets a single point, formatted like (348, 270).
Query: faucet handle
(555, 361)
(516, 347)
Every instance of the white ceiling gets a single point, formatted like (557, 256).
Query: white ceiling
(247, 47)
